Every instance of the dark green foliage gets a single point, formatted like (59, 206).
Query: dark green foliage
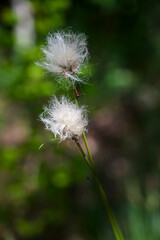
(48, 193)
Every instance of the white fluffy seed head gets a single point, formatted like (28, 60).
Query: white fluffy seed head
(64, 54)
(64, 119)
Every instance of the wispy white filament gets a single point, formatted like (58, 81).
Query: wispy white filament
(64, 54)
(64, 119)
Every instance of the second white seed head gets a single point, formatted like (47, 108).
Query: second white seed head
(64, 54)
(64, 119)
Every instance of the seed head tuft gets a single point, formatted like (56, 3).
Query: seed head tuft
(64, 54)
(64, 119)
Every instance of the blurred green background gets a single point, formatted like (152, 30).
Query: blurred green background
(49, 193)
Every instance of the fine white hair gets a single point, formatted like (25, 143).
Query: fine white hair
(64, 119)
(64, 54)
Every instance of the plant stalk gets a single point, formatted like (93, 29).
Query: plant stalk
(108, 209)
(91, 166)
(83, 133)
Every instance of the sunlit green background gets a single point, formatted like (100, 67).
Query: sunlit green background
(49, 193)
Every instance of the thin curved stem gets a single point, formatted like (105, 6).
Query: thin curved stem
(108, 209)
(87, 147)
(91, 166)
(83, 133)
(83, 154)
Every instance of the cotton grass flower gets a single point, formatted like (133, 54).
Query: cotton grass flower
(64, 54)
(64, 119)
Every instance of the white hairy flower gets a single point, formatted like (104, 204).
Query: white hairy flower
(64, 119)
(64, 54)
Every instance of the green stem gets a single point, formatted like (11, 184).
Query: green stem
(108, 209)
(90, 164)
(83, 154)
(83, 133)
(87, 147)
